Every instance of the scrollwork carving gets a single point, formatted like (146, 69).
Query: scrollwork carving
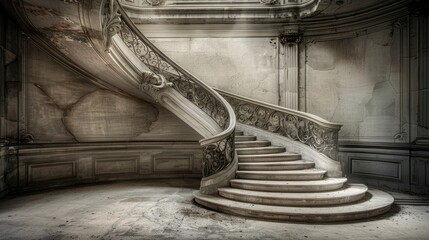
(111, 24)
(218, 156)
(165, 73)
(269, 2)
(154, 2)
(323, 139)
(290, 37)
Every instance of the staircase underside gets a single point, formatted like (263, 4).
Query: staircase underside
(274, 184)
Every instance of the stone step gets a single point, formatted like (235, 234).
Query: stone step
(291, 175)
(275, 166)
(345, 195)
(251, 144)
(260, 150)
(274, 157)
(375, 203)
(327, 184)
(239, 133)
(245, 138)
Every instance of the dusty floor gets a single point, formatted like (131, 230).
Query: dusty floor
(163, 209)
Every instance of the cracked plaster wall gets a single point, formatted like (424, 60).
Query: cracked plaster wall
(65, 107)
(353, 81)
(245, 66)
(356, 82)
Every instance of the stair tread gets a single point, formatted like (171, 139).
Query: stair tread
(377, 203)
(248, 138)
(255, 141)
(321, 185)
(239, 133)
(285, 172)
(269, 155)
(295, 183)
(351, 190)
(261, 148)
(278, 163)
(252, 144)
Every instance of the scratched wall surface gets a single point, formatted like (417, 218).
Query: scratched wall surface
(65, 107)
(356, 82)
(245, 66)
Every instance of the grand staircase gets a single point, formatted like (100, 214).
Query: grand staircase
(241, 174)
(272, 183)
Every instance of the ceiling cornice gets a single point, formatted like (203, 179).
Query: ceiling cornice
(227, 12)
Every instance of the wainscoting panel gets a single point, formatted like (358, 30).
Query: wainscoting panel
(420, 171)
(3, 188)
(116, 165)
(386, 168)
(47, 165)
(55, 171)
(172, 163)
(376, 168)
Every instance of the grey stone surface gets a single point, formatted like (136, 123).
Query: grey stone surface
(356, 82)
(163, 209)
(66, 107)
(103, 115)
(245, 66)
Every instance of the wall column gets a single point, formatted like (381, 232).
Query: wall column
(289, 69)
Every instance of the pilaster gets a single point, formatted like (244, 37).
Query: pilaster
(289, 68)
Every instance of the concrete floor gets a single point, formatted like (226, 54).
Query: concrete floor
(163, 209)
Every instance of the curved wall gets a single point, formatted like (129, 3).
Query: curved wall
(363, 67)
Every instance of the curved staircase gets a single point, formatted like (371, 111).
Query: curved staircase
(241, 174)
(272, 183)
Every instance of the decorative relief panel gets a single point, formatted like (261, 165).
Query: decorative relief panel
(324, 140)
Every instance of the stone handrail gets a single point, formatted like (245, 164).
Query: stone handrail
(218, 150)
(306, 128)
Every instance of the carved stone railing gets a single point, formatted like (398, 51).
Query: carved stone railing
(305, 128)
(218, 150)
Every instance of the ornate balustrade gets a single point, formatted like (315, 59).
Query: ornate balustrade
(308, 129)
(218, 150)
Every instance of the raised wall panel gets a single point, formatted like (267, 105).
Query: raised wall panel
(376, 168)
(116, 165)
(172, 163)
(51, 171)
(420, 175)
(427, 173)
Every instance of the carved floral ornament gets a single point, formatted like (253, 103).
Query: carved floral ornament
(290, 37)
(153, 2)
(322, 139)
(269, 2)
(165, 73)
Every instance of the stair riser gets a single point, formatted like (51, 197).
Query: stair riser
(251, 144)
(285, 177)
(293, 202)
(239, 133)
(245, 158)
(244, 138)
(321, 218)
(286, 188)
(260, 151)
(276, 167)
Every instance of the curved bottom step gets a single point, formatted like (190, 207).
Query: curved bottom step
(348, 194)
(375, 203)
(328, 184)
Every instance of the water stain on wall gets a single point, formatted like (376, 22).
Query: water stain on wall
(106, 116)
